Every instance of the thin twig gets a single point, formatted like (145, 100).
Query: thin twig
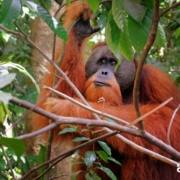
(169, 8)
(63, 155)
(15, 33)
(81, 97)
(99, 123)
(103, 114)
(70, 152)
(59, 70)
(50, 134)
(8, 162)
(148, 152)
(125, 140)
(100, 113)
(142, 58)
(171, 123)
(141, 118)
(71, 120)
(39, 131)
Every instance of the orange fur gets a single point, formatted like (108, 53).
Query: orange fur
(157, 86)
(73, 65)
(72, 62)
(72, 50)
(136, 165)
(94, 93)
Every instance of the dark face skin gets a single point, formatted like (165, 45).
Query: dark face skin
(103, 62)
(101, 57)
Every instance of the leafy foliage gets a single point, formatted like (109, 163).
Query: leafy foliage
(10, 10)
(98, 159)
(15, 144)
(50, 20)
(126, 24)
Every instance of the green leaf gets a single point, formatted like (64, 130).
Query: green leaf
(108, 172)
(55, 26)
(9, 11)
(103, 155)
(80, 139)
(94, 4)
(105, 147)
(5, 97)
(117, 40)
(4, 111)
(118, 13)
(160, 37)
(138, 32)
(68, 130)
(125, 45)
(6, 79)
(4, 9)
(102, 19)
(2, 166)
(22, 70)
(111, 30)
(177, 33)
(45, 3)
(148, 4)
(114, 160)
(134, 9)
(41, 157)
(90, 158)
(16, 144)
(92, 176)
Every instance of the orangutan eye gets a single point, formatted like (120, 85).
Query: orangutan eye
(102, 61)
(112, 62)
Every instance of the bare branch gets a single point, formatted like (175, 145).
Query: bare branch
(148, 152)
(7, 158)
(141, 118)
(39, 131)
(100, 123)
(100, 113)
(127, 141)
(15, 33)
(142, 58)
(103, 114)
(63, 155)
(59, 70)
(175, 5)
(171, 123)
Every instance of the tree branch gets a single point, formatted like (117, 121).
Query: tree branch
(141, 118)
(170, 8)
(103, 114)
(9, 163)
(142, 58)
(59, 70)
(99, 123)
(170, 125)
(39, 131)
(63, 155)
(89, 108)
